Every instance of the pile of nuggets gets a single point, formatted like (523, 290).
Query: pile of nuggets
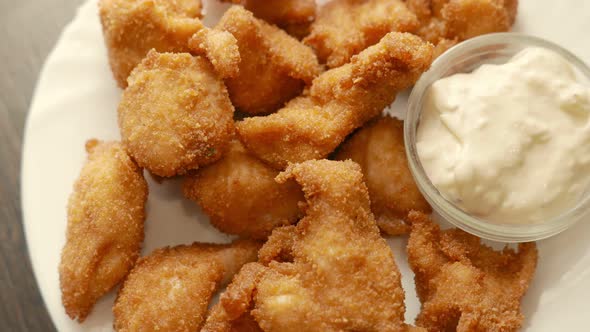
(274, 120)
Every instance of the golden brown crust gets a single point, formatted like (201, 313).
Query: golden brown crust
(176, 114)
(339, 101)
(233, 308)
(293, 16)
(170, 289)
(446, 22)
(331, 272)
(241, 197)
(133, 27)
(469, 18)
(274, 66)
(344, 28)
(220, 47)
(465, 285)
(217, 321)
(106, 212)
(289, 55)
(379, 149)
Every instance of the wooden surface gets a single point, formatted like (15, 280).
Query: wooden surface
(29, 29)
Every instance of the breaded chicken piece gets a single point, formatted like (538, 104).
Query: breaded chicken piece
(293, 16)
(344, 28)
(220, 47)
(133, 27)
(241, 197)
(175, 115)
(232, 312)
(339, 101)
(331, 272)
(170, 289)
(379, 149)
(106, 212)
(446, 22)
(464, 285)
(274, 67)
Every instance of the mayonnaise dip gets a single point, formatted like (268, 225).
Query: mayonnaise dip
(509, 143)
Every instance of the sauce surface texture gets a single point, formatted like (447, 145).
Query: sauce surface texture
(509, 143)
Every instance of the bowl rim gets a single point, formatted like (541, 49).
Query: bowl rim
(504, 232)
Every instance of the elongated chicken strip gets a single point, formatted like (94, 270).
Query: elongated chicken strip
(339, 101)
(106, 212)
(331, 272)
(344, 28)
(170, 289)
(466, 286)
(133, 27)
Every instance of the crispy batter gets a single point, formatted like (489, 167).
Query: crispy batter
(241, 197)
(106, 212)
(274, 66)
(133, 27)
(464, 285)
(175, 115)
(220, 47)
(170, 289)
(331, 272)
(339, 101)
(379, 149)
(233, 309)
(293, 16)
(446, 22)
(344, 28)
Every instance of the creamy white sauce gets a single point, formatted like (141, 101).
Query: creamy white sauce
(509, 143)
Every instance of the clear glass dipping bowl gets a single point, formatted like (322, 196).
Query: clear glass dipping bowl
(494, 48)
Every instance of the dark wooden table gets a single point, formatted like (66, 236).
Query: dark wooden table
(28, 30)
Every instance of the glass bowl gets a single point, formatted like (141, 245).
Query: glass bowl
(494, 48)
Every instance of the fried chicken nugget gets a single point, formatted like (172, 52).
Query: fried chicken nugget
(446, 22)
(344, 28)
(293, 16)
(133, 27)
(464, 285)
(331, 272)
(106, 212)
(175, 115)
(274, 67)
(220, 47)
(170, 289)
(339, 101)
(241, 197)
(379, 149)
(232, 312)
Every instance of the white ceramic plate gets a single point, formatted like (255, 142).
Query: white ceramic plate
(76, 99)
